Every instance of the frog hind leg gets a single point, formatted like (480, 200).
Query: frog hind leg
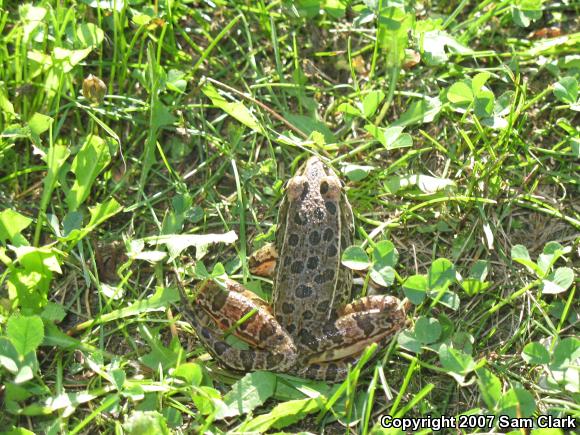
(371, 319)
(220, 308)
(238, 359)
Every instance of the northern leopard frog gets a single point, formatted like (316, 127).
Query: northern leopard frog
(311, 329)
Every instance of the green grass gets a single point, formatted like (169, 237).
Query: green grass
(453, 124)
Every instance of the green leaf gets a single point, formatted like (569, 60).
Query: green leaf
(355, 258)
(566, 90)
(534, 353)
(558, 281)
(25, 332)
(102, 212)
(39, 123)
(190, 372)
(99, 214)
(385, 257)
(478, 81)
(457, 363)
(409, 341)
(29, 289)
(419, 112)
(415, 288)
(6, 106)
(384, 252)
(356, 172)
(159, 356)
(161, 116)
(521, 255)
(566, 353)
(32, 17)
(311, 126)
(159, 301)
(460, 93)
(550, 254)
(89, 35)
(177, 243)
(11, 225)
(517, 402)
(248, 393)
(463, 341)
(436, 44)
(489, 387)
(9, 356)
(30, 282)
(382, 274)
(70, 58)
(526, 11)
(427, 330)
(55, 159)
(371, 102)
(236, 110)
(282, 415)
(448, 298)
(484, 104)
(145, 423)
(92, 158)
(53, 312)
(473, 286)
(441, 275)
(349, 109)
(176, 81)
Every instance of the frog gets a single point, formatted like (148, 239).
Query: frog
(312, 328)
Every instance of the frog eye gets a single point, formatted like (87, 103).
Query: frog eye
(297, 188)
(330, 187)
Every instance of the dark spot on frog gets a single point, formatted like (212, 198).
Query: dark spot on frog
(248, 358)
(293, 239)
(297, 219)
(312, 263)
(307, 315)
(219, 300)
(322, 307)
(331, 207)
(305, 189)
(306, 338)
(324, 187)
(328, 234)
(326, 276)
(206, 333)
(332, 250)
(343, 241)
(297, 267)
(331, 371)
(314, 238)
(220, 347)
(266, 331)
(319, 213)
(329, 330)
(303, 291)
(287, 308)
(273, 359)
(291, 329)
(364, 324)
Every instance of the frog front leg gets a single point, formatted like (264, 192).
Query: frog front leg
(327, 354)
(218, 309)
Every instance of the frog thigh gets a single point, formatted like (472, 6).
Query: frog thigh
(218, 308)
(367, 320)
(239, 359)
